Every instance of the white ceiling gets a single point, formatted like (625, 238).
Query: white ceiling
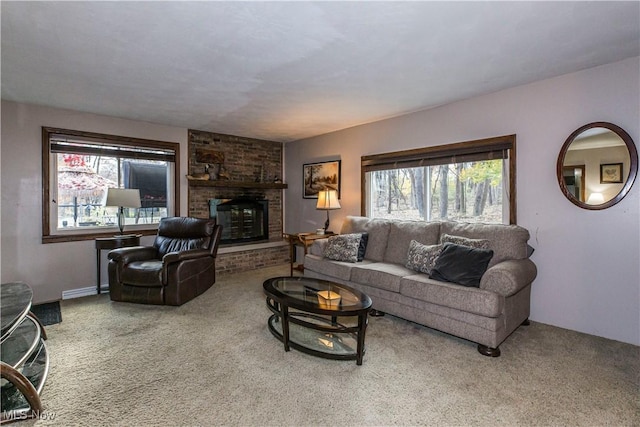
(289, 70)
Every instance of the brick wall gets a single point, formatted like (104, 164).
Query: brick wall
(246, 160)
(236, 262)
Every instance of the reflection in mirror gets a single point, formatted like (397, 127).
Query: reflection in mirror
(597, 165)
(593, 149)
(574, 180)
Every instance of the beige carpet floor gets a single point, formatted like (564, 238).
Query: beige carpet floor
(213, 361)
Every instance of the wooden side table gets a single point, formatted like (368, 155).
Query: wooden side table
(115, 242)
(301, 239)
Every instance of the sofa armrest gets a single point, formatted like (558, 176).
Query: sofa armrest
(135, 253)
(317, 248)
(508, 277)
(172, 257)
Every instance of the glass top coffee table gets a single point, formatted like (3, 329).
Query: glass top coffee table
(318, 317)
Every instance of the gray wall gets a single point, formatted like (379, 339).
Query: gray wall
(588, 261)
(589, 269)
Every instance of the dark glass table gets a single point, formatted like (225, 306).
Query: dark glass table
(109, 243)
(24, 357)
(318, 317)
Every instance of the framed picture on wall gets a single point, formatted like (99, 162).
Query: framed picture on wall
(611, 173)
(320, 176)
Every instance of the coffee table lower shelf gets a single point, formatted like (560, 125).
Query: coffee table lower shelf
(318, 336)
(306, 313)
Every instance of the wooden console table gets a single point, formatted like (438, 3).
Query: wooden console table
(301, 239)
(114, 242)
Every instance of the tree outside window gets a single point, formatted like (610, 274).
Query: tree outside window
(467, 192)
(78, 169)
(472, 181)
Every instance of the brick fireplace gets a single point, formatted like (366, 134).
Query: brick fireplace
(243, 169)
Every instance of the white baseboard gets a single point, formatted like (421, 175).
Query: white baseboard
(83, 292)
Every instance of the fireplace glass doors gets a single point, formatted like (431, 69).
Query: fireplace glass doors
(242, 219)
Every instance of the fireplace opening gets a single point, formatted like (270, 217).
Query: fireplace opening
(242, 219)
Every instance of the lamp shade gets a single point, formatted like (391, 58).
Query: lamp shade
(328, 200)
(126, 198)
(595, 199)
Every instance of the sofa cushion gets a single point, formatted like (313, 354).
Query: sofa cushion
(422, 258)
(473, 300)
(318, 247)
(465, 241)
(378, 230)
(401, 233)
(462, 265)
(425, 312)
(354, 224)
(335, 269)
(343, 247)
(506, 241)
(380, 275)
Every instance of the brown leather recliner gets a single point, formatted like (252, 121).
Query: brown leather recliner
(177, 268)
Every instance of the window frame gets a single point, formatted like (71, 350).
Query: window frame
(481, 149)
(122, 141)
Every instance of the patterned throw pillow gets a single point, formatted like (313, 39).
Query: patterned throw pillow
(421, 257)
(343, 247)
(464, 241)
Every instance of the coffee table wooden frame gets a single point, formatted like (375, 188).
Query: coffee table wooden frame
(280, 304)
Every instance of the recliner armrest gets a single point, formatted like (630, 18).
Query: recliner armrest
(172, 257)
(508, 277)
(135, 253)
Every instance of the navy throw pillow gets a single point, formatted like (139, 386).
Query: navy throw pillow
(462, 265)
(363, 246)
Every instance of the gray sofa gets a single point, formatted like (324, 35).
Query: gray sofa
(487, 314)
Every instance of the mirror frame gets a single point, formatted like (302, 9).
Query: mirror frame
(633, 165)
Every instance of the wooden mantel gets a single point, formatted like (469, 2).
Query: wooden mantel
(235, 184)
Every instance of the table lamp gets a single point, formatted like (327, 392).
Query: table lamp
(122, 198)
(595, 199)
(327, 201)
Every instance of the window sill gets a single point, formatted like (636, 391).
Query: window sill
(61, 238)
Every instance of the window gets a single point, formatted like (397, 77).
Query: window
(79, 167)
(468, 182)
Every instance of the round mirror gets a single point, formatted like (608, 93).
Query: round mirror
(597, 165)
